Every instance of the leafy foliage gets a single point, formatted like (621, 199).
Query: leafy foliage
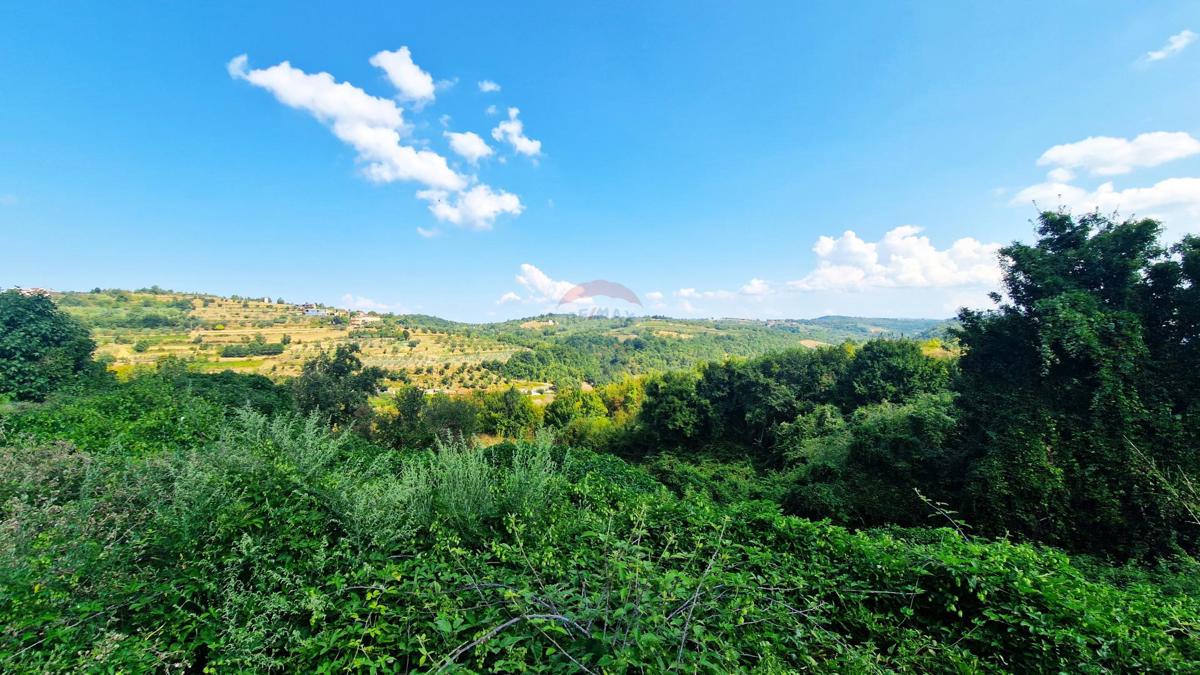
(337, 384)
(1089, 372)
(282, 546)
(41, 348)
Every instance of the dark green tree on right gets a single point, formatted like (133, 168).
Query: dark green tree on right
(1080, 392)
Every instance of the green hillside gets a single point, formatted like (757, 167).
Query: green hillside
(274, 338)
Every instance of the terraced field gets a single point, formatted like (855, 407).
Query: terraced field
(128, 340)
(135, 329)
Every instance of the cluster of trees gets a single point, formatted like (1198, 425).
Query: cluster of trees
(120, 310)
(1070, 418)
(256, 347)
(599, 358)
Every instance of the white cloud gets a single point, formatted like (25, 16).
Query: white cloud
(390, 161)
(319, 94)
(1061, 175)
(1175, 44)
(476, 208)
(469, 145)
(375, 128)
(412, 83)
(693, 294)
(1175, 201)
(512, 131)
(491, 109)
(351, 301)
(1109, 156)
(488, 87)
(654, 296)
(508, 297)
(756, 287)
(541, 285)
(902, 259)
(371, 125)
(428, 233)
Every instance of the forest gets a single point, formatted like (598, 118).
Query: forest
(1017, 490)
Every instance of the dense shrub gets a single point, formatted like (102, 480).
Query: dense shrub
(281, 546)
(41, 348)
(146, 415)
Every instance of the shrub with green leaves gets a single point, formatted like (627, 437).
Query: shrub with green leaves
(278, 545)
(42, 349)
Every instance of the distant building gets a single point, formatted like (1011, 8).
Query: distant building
(360, 320)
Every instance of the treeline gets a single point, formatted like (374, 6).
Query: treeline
(117, 309)
(602, 359)
(252, 349)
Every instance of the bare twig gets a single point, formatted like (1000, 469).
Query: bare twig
(940, 509)
(495, 630)
(687, 624)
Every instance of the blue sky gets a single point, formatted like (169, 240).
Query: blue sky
(709, 156)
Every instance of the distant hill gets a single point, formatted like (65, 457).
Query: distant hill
(274, 338)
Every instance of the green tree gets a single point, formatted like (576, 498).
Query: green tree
(573, 404)
(509, 413)
(338, 385)
(1086, 375)
(450, 418)
(41, 347)
(890, 370)
(672, 413)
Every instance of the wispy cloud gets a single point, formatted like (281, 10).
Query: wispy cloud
(358, 302)
(488, 87)
(1175, 44)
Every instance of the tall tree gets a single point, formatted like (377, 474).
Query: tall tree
(1080, 383)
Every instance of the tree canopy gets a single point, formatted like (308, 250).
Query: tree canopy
(41, 347)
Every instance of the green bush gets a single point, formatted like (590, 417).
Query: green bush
(42, 349)
(279, 545)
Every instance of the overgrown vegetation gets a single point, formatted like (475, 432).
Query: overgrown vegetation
(1028, 506)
